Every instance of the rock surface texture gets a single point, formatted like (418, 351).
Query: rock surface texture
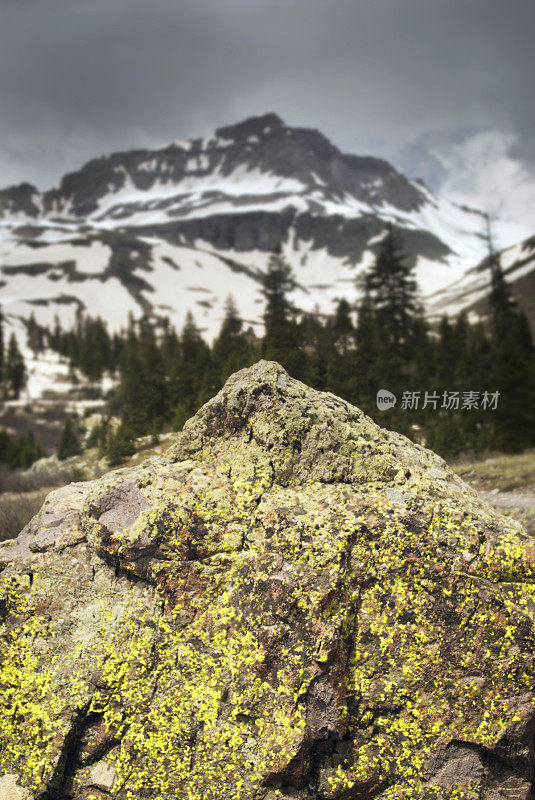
(292, 603)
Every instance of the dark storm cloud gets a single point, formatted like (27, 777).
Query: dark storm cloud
(81, 77)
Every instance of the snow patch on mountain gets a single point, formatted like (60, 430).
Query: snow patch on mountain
(473, 286)
(179, 228)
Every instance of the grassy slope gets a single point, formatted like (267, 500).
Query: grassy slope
(506, 482)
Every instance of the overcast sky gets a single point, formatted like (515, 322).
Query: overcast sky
(442, 88)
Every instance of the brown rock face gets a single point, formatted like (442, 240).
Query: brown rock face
(292, 603)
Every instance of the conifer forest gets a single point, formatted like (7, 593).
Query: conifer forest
(459, 387)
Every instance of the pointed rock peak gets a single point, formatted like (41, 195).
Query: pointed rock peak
(266, 425)
(260, 126)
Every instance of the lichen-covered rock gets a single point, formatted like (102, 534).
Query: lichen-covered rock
(292, 603)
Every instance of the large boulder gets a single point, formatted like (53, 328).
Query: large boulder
(291, 603)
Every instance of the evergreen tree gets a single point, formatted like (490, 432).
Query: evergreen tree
(341, 362)
(2, 348)
(192, 376)
(92, 353)
(502, 304)
(97, 436)
(4, 445)
(232, 349)
(15, 369)
(281, 335)
(55, 338)
(34, 336)
(369, 372)
(389, 330)
(170, 344)
(391, 291)
(69, 444)
(479, 363)
(316, 346)
(19, 452)
(142, 394)
(512, 375)
(119, 445)
(512, 354)
(29, 450)
(445, 435)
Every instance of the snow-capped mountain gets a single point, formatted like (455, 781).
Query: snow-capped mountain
(471, 291)
(180, 228)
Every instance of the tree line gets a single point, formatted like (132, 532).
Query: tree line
(460, 386)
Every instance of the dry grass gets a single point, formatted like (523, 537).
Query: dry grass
(505, 473)
(17, 509)
(526, 516)
(507, 483)
(147, 449)
(22, 494)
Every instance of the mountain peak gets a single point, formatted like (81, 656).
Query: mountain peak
(178, 227)
(253, 126)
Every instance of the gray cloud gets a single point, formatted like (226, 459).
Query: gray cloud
(393, 77)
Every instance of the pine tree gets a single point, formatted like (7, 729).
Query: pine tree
(34, 336)
(19, 452)
(119, 445)
(445, 435)
(512, 375)
(391, 290)
(502, 304)
(369, 379)
(2, 348)
(341, 363)
(281, 335)
(512, 354)
(97, 436)
(316, 345)
(55, 338)
(69, 444)
(15, 369)
(142, 397)
(192, 373)
(389, 328)
(232, 349)
(29, 450)
(93, 352)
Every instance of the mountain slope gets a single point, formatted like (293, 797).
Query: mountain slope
(163, 231)
(471, 292)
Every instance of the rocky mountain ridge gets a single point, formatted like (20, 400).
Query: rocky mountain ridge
(263, 143)
(162, 231)
(291, 603)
